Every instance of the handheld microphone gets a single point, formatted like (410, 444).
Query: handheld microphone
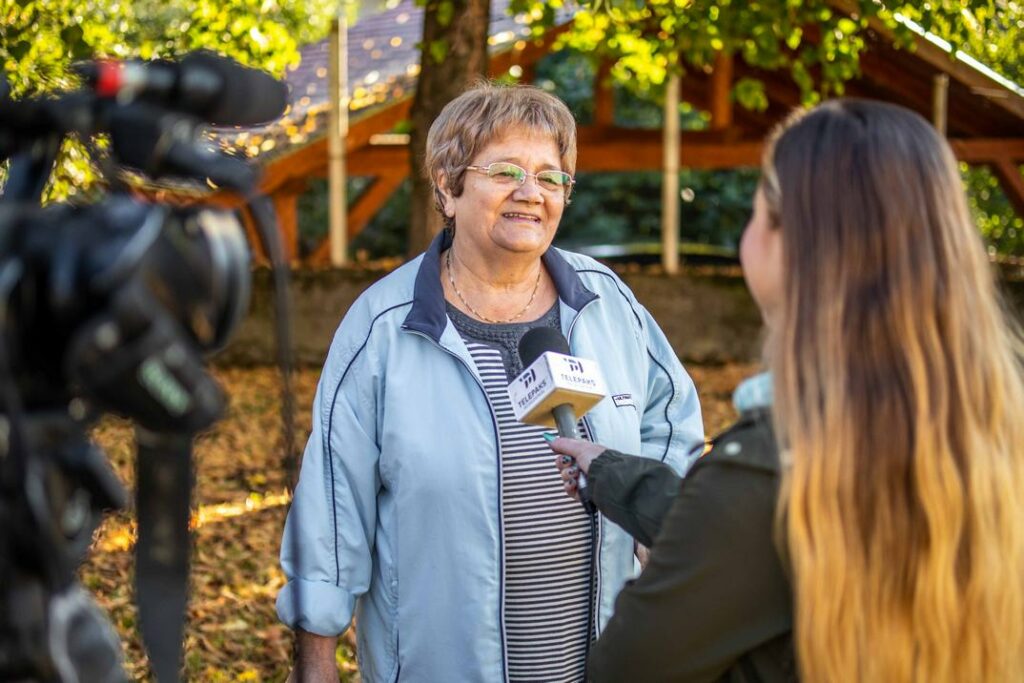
(218, 90)
(555, 388)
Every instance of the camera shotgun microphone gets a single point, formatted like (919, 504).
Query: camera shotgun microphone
(159, 143)
(218, 90)
(555, 388)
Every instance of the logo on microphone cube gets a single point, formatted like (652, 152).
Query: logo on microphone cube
(552, 380)
(573, 374)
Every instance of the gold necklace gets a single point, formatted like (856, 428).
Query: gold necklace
(478, 314)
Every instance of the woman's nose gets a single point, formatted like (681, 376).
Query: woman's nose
(529, 191)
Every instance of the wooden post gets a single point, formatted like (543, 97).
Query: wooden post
(940, 102)
(337, 131)
(286, 208)
(721, 91)
(670, 180)
(259, 254)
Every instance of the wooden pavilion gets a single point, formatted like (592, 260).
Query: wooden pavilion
(982, 113)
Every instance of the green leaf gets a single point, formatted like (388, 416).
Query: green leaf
(802, 77)
(794, 38)
(445, 13)
(750, 94)
(438, 50)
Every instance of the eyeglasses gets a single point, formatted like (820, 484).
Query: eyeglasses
(504, 173)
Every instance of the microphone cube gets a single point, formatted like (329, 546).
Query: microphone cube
(552, 380)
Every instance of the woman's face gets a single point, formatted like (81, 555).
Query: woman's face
(495, 218)
(761, 256)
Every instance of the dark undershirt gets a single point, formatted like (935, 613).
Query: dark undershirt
(502, 336)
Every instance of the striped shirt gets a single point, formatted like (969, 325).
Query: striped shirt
(548, 543)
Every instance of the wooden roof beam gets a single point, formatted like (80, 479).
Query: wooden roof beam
(1012, 182)
(365, 207)
(375, 160)
(641, 154)
(312, 159)
(988, 150)
(609, 142)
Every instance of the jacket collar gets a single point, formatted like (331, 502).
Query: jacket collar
(754, 393)
(428, 311)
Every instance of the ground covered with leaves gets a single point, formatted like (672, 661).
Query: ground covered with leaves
(240, 503)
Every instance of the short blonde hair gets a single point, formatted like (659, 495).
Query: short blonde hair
(483, 114)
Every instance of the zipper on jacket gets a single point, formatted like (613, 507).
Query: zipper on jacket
(568, 334)
(595, 563)
(501, 517)
(592, 593)
(594, 584)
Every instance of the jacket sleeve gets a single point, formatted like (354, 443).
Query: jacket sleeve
(671, 429)
(328, 537)
(712, 590)
(635, 493)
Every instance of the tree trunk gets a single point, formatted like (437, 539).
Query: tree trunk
(463, 42)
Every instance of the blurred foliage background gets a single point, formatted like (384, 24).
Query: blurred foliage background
(625, 208)
(39, 39)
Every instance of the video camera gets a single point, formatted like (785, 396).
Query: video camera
(110, 307)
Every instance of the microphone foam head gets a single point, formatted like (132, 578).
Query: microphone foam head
(247, 96)
(540, 340)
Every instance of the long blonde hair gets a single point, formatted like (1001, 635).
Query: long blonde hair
(899, 407)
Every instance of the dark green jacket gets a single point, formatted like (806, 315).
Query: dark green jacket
(714, 602)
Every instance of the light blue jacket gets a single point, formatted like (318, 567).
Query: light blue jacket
(397, 515)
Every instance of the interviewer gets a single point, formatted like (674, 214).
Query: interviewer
(866, 524)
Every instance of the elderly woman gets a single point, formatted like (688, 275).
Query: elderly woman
(423, 507)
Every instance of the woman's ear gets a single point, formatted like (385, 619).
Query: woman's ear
(444, 195)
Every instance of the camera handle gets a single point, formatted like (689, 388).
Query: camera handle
(162, 506)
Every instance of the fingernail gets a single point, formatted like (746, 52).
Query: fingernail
(566, 459)
(549, 437)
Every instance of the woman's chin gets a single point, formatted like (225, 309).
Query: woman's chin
(523, 240)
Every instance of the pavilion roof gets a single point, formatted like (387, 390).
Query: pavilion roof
(383, 63)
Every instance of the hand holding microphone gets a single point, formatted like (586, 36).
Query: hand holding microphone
(555, 388)
(573, 461)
